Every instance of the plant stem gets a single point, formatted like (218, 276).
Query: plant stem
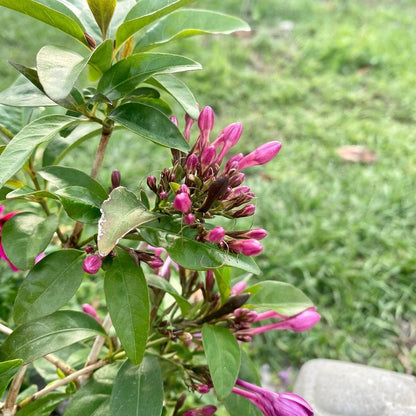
(106, 132)
(58, 383)
(9, 408)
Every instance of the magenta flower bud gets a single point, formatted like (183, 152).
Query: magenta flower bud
(201, 411)
(248, 247)
(256, 233)
(89, 310)
(163, 195)
(189, 219)
(192, 163)
(89, 249)
(237, 180)
(231, 134)
(155, 262)
(183, 189)
(115, 178)
(304, 320)
(216, 235)
(189, 121)
(151, 183)
(182, 203)
(208, 156)
(241, 190)
(92, 264)
(204, 388)
(238, 288)
(206, 119)
(174, 120)
(39, 257)
(246, 211)
(233, 162)
(261, 155)
(209, 281)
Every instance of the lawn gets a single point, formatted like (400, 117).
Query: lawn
(315, 75)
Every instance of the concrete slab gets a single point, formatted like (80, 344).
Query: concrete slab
(336, 388)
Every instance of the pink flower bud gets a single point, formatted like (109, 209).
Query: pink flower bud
(39, 257)
(189, 219)
(163, 195)
(188, 124)
(246, 211)
(237, 180)
(89, 310)
(231, 134)
(209, 280)
(304, 320)
(204, 388)
(92, 264)
(151, 183)
(261, 155)
(89, 249)
(206, 119)
(216, 235)
(248, 247)
(192, 163)
(155, 262)
(208, 156)
(256, 233)
(115, 178)
(174, 120)
(201, 411)
(238, 288)
(182, 203)
(183, 189)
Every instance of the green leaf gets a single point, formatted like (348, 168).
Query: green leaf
(185, 23)
(49, 285)
(80, 203)
(93, 397)
(144, 13)
(160, 283)
(25, 142)
(223, 279)
(15, 118)
(121, 213)
(25, 192)
(24, 94)
(223, 358)
(179, 91)
(128, 303)
(58, 70)
(61, 177)
(44, 405)
(8, 369)
(101, 58)
(51, 12)
(25, 235)
(60, 146)
(103, 12)
(51, 333)
(182, 247)
(125, 75)
(150, 124)
(138, 389)
(278, 296)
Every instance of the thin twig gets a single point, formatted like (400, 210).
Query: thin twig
(98, 344)
(9, 408)
(58, 383)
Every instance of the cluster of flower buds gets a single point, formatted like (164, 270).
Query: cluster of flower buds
(244, 318)
(199, 188)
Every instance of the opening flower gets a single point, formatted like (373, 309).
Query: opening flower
(271, 403)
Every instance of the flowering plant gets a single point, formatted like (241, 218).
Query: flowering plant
(176, 318)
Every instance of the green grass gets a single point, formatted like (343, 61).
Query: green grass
(342, 232)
